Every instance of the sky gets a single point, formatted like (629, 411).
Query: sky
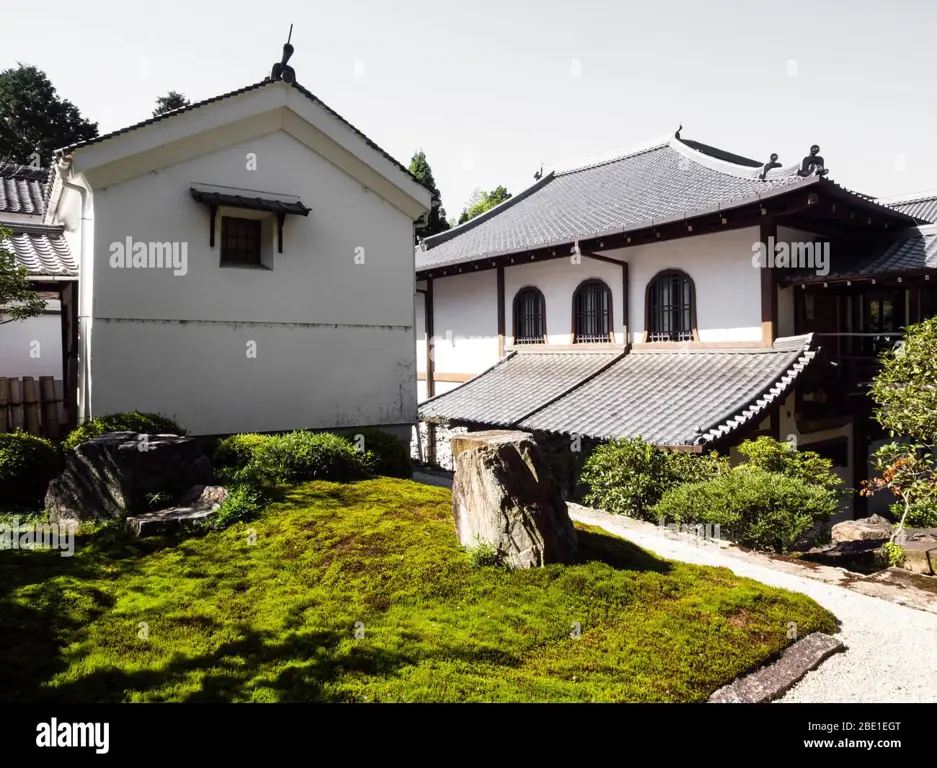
(492, 90)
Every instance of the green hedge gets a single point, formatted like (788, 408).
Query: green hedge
(27, 465)
(302, 455)
(133, 421)
(391, 457)
(754, 507)
(629, 476)
(237, 451)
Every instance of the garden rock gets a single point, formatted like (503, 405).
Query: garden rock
(504, 495)
(874, 528)
(196, 504)
(113, 476)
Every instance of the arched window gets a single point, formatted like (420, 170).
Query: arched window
(529, 317)
(592, 313)
(670, 307)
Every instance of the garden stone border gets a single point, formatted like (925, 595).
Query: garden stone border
(776, 679)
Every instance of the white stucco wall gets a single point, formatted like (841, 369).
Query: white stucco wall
(334, 338)
(728, 287)
(558, 280)
(33, 347)
(465, 323)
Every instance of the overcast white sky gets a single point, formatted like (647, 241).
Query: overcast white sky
(492, 89)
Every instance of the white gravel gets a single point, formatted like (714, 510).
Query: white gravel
(891, 651)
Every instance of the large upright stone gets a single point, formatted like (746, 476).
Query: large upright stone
(504, 494)
(112, 476)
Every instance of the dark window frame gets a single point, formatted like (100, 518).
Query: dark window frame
(595, 335)
(243, 247)
(681, 318)
(521, 322)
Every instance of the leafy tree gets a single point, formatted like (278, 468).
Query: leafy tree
(172, 100)
(905, 388)
(34, 121)
(905, 392)
(17, 297)
(483, 201)
(419, 167)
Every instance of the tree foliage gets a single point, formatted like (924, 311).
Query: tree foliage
(905, 393)
(905, 389)
(172, 100)
(34, 120)
(18, 299)
(420, 168)
(482, 201)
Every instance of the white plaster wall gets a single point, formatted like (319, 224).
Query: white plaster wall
(728, 287)
(419, 312)
(335, 338)
(465, 323)
(301, 378)
(33, 347)
(557, 280)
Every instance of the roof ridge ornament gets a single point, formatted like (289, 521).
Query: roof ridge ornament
(772, 163)
(677, 133)
(281, 70)
(538, 174)
(813, 164)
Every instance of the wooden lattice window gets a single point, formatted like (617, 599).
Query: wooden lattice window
(671, 315)
(592, 313)
(529, 317)
(240, 240)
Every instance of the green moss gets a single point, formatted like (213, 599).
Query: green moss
(361, 592)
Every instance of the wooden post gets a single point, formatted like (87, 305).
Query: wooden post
(50, 407)
(4, 402)
(430, 366)
(501, 328)
(31, 405)
(16, 405)
(768, 234)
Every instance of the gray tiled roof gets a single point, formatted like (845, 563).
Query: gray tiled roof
(687, 397)
(42, 250)
(666, 181)
(921, 208)
(914, 250)
(672, 397)
(516, 386)
(23, 189)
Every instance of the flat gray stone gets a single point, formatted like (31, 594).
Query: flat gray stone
(199, 502)
(771, 682)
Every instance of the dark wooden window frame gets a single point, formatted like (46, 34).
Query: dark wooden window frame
(542, 323)
(610, 314)
(248, 240)
(648, 291)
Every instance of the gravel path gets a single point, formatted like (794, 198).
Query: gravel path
(891, 651)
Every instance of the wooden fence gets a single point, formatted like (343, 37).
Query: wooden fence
(30, 406)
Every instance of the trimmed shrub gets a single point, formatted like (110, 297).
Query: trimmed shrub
(238, 450)
(244, 503)
(629, 476)
(27, 465)
(132, 421)
(302, 455)
(391, 457)
(806, 466)
(754, 507)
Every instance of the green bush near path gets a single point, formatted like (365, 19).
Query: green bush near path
(360, 592)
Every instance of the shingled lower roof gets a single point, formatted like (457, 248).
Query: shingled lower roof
(669, 398)
(517, 386)
(914, 251)
(42, 250)
(921, 208)
(23, 189)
